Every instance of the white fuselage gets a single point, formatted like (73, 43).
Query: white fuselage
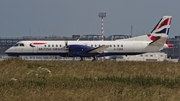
(58, 47)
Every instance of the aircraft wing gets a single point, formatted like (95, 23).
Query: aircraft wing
(99, 49)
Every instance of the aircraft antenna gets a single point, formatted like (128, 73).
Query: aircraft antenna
(102, 15)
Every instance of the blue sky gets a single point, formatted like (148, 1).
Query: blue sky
(67, 17)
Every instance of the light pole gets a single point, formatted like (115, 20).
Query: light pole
(102, 15)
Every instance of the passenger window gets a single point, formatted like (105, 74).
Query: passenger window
(44, 45)
(59, 45)
(21, 44)
(114, 45)
(91, 45)
(117, 45)
(121, 45)
(95, 45)
(110, 45)
(48, 45)
(56, 45)
(52, 45)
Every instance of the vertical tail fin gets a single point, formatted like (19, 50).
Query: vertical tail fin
(162, 26)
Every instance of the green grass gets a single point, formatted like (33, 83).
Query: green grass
(22, 80)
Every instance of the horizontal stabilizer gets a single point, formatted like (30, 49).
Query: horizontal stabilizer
(99, 49)
(159, 40)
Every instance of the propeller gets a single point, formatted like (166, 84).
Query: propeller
(67, 48)
(66, 45)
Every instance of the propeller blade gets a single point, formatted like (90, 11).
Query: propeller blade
(66, 43)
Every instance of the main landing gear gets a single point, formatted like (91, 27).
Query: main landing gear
(94, 58)
(82, 59)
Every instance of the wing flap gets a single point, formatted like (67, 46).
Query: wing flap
(99, 49)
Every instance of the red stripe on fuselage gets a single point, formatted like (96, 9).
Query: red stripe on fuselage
(38, 43)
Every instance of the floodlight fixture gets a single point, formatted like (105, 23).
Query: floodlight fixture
(102, 15)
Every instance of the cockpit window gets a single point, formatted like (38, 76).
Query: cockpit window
(16, 44)
(21, 44)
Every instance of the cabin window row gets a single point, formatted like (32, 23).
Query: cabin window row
(52, 45)
(91, 45)
(109, 46)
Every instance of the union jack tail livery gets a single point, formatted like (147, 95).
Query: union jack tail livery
(161, 29)
(162, 26)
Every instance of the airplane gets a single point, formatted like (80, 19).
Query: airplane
(153, 42)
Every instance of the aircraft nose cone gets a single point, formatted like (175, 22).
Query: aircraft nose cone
(7, 51)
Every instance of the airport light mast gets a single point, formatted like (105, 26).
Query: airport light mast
(102, 15)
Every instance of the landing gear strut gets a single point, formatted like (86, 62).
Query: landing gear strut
(94, 58)
(82, 59)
